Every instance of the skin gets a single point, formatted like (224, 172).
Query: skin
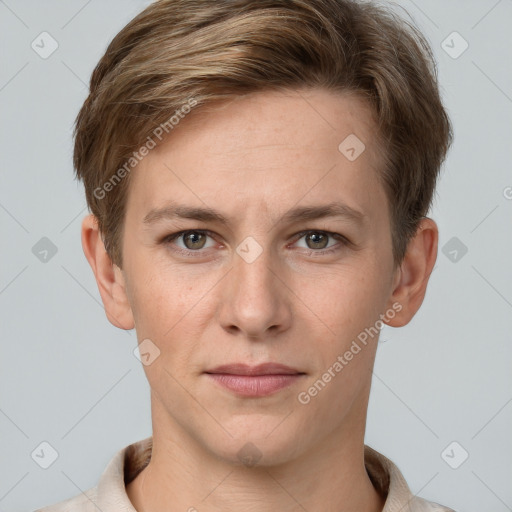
(253, 159)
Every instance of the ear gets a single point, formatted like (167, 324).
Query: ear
(109, 276)
(412, 276)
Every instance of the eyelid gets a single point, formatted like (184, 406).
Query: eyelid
(331, 234)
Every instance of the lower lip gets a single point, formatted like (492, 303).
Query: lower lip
(254, 385)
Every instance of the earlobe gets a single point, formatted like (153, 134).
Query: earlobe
(410, 283)
(109, 278)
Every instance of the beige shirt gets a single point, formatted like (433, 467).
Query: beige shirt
(110, 493)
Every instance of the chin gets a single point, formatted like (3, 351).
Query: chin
(259, 444)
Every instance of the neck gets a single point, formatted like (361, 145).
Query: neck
(184, 476)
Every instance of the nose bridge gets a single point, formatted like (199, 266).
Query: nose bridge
(254, 299)
(253, 267)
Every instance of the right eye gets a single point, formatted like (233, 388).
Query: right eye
(193, 241)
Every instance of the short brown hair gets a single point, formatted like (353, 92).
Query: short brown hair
(178, 51)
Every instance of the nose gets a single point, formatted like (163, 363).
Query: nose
(255, 299)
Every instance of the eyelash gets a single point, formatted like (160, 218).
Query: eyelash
(189, 252)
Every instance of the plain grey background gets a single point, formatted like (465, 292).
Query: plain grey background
(442, 385)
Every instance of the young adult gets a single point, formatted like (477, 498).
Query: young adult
(258, 176)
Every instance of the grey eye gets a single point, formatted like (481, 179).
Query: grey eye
(316, 240)
(194, 239)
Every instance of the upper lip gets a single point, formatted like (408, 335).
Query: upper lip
(260, 369)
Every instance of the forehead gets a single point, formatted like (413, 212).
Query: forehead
(264, 150)
(266, 119)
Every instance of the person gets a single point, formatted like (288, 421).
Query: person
(258, 175)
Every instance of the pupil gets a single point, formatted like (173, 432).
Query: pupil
(317, 238)
(192, 238)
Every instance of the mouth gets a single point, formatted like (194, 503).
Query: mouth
(255, 381)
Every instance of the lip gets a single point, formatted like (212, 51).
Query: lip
(255, 381)
(260, 369)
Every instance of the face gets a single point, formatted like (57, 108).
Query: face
(252, 237)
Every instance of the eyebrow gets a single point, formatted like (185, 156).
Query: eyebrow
(302, 213)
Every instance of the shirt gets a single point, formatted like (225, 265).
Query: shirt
(110, 493)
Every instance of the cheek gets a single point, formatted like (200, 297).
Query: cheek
(160, 294)
(349, 300)
(350, 307)
(170, 308)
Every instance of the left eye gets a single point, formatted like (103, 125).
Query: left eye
(318, 239)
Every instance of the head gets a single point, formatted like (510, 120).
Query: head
(297, 144)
